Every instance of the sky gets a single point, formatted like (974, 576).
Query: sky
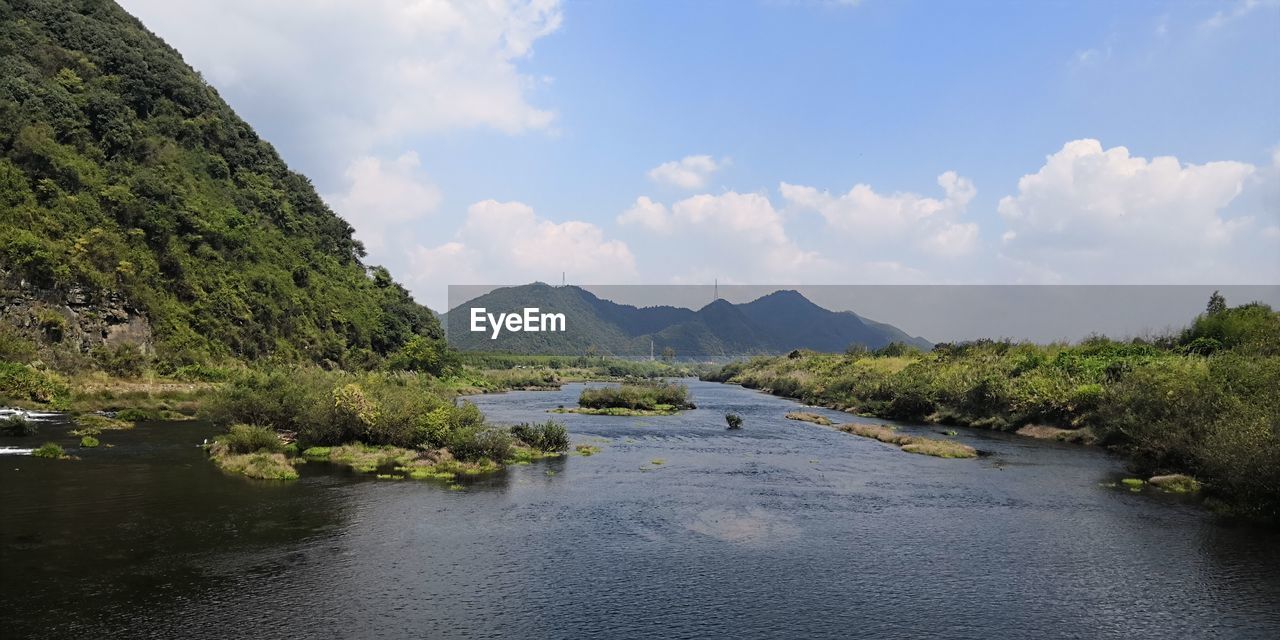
(768, 141)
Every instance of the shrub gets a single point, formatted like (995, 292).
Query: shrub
(137, 415)
(546, 436)
(52, 323)
(476, 443)
(26, 383)
(18, 425)
(125, 360)
(89, 442)
(51, 450)
(425, 355)
(243, 438)
(14, 347)
(735, 421)
(643, 396)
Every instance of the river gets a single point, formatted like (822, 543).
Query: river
(677, 528)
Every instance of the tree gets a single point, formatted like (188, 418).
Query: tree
(668, 354)
(1217, 304)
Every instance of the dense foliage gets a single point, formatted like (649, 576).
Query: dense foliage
(642, 396)
(123, 173)
(1203, 402)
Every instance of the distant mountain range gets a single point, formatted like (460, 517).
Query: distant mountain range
(776, 323)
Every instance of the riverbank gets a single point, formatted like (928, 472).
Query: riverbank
(1201, 404)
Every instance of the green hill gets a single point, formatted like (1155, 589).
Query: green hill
(125, 177)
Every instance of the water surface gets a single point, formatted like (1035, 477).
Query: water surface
(782, 529)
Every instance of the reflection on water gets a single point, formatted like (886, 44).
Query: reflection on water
(781, 529)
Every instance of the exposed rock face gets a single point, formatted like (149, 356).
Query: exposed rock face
(76, 317)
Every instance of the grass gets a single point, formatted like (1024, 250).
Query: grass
(365, 458)
(549, 436)
(1199, 402)
(807, 416)
(51, 450)
(638, 396)
(255, 452)
(17, 425)
(92, 424)
(659, 410)
(911, 444)
(586, 450)
(1175, 483)
(89, 442)
(262, 465)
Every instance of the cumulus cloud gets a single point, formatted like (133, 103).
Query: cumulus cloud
(507, 243)
(647, 214)
(1099, 214)
(350, 75)
(928, 223)
(690, 172)
(733, 234)
(383, 194)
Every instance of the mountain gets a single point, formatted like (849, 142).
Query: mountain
(128, 186)
(776, 323)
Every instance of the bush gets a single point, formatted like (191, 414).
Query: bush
(243, 438)
(476, 443)
(51, 450)
(641, 396)
(17, 425)
(14, 347)
(547, 436)
(52, 323)
(26, 383)
(89, 442)
(125, 360)
(735, 421)
(425, 355)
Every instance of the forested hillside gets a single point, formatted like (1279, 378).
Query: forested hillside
(123, 174)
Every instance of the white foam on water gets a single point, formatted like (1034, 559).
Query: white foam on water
(15, 451)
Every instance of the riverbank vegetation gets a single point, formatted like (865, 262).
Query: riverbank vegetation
(911, 444)
(809, 416)
(1201, 402)
(368, 422)
(636, 398)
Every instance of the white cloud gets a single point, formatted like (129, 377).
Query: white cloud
(690, 172)
(647, 214)
(735, 235)
(507, 243)
(383, 194)
(348, 76)
(864, 214)
(1241, 9)
(1098, 215)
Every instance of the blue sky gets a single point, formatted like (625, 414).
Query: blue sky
(804, 142)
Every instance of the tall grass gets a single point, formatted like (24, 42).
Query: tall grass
(639, 396)
(1203, 402)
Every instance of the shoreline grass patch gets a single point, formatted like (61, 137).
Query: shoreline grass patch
(911, 444)
(93, 424)
(51, 451)
(809, 416)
